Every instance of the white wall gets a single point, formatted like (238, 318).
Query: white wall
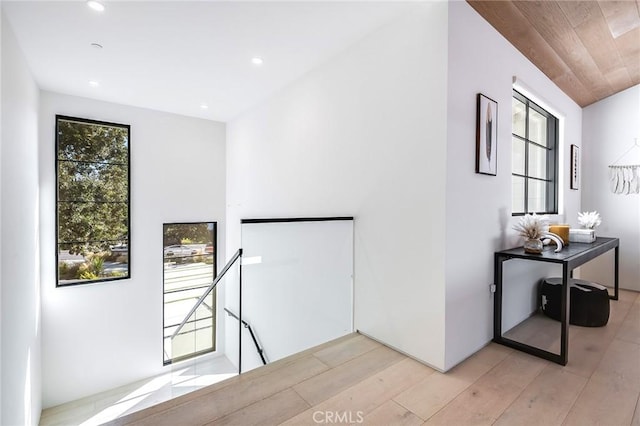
(609, 129)
(478, 207)
(100, 336)
(1, 19)
(306, 275)
(20, 310)
(363, 135)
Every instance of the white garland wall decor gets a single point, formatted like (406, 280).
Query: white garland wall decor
(625, 179)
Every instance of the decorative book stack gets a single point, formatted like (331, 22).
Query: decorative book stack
(582, 235)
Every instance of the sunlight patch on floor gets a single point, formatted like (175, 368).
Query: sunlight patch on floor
(205, 380)
(110, 405)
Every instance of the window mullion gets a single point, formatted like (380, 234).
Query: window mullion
(526, 156)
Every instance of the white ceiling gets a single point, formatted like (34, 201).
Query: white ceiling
(176, 55)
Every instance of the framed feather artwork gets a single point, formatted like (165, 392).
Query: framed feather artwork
(575, 167)
(487, 136)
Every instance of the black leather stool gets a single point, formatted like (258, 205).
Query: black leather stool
(589, 302)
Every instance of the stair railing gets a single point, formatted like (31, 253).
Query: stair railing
(259, 349)
(237, 256)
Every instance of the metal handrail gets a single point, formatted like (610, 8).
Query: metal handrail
(253, 336)
(209, 289)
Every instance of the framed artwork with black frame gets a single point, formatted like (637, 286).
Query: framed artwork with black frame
(575, 167)
(487, 136)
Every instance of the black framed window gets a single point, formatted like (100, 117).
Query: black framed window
(189, 268)
(92, 201)
(534, 158)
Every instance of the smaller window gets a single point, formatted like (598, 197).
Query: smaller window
(534, 158)
(189, 268)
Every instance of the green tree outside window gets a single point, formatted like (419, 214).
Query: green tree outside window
(92, 164)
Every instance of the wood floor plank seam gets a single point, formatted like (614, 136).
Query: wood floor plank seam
(626, 314)
(285, 362)
(573, 403)
(479, 386)
(188, 405)
(373, 373)
(266, 397)
(456, 395)
(569, 405)
(595, 382)
(303, 398)
(600, 382)
(519, 393)
(257, 374)
(291, 388)
(629, 313)
(636, 412)
(377, 360)
(346, 360)
(311, 406)
(251, 375)
(606, 342)
(449, 402)
(393, 395)
(224, 419)
(416, 414)
(615, 337)
(627, 340)
(371, 391)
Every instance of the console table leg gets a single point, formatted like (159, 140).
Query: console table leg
(565, 312)
(616, 273)
(497, 299)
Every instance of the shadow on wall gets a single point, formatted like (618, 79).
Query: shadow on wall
(504, 215)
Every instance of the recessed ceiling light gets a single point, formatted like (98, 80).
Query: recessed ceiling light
(204, 106)
(257, 60)
(96, 45)
(93, 83)
(95, 5)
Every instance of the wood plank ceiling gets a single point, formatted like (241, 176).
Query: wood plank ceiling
(589, 49)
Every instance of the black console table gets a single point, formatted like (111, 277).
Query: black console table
(570, 257)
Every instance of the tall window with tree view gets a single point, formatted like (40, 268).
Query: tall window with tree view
(92, 201)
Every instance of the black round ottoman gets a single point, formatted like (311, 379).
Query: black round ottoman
(589, 302)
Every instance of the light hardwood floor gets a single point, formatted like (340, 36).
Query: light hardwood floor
(355, 380)
(359, 381)
(179, 379)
